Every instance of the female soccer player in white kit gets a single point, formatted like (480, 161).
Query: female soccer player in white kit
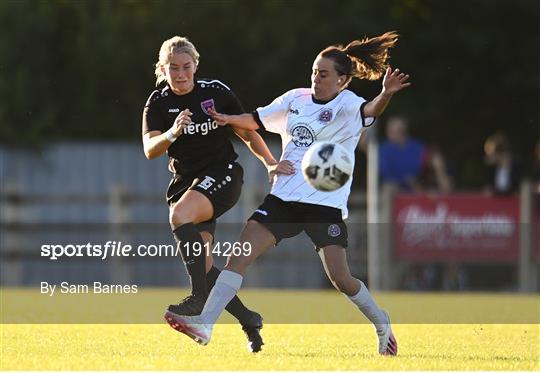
(326, 112)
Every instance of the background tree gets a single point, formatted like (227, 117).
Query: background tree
(83, 69)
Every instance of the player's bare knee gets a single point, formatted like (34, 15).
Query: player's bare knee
(179, 216)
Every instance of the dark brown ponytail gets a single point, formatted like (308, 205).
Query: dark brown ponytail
(364, 59)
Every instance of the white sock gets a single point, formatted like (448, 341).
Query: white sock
(365, 303)
(227, 285)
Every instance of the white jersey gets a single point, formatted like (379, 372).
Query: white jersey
(301, 121)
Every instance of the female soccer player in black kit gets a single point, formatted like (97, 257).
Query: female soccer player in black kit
(207, 179)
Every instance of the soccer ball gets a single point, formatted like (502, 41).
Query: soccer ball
(327, 166)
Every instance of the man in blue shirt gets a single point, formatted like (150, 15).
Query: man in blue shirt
(400, 157)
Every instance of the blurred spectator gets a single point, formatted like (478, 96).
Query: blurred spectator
(435, 175)
(436, 276)
(454, 277)
(400, 157)
(413, 279)
(422, 277)
(505, 172)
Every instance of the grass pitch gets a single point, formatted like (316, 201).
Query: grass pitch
(352, 346)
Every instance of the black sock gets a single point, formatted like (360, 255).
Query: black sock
(186, 235)
(235, 306)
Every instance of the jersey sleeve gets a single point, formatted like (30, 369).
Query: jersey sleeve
(274, 116)
(355, 108)
(152, 117)
(366, 121)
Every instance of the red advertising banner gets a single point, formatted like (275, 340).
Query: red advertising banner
(463, 227)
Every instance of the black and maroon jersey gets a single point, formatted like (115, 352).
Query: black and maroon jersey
(203, 142)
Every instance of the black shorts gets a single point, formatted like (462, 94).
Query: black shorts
(221, 184)
(323, 224)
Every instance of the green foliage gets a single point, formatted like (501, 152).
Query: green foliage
(83, 69)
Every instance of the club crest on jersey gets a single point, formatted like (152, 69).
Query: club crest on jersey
(207, 105)
(302, 136)
(325, 115)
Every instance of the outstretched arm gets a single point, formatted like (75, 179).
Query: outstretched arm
(241, 121)
(394, 81)
(258, 147)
